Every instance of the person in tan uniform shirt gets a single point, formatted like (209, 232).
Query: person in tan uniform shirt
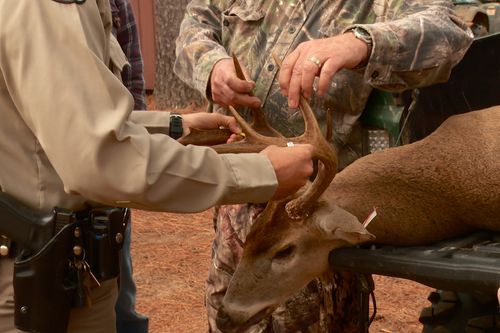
(68, 137)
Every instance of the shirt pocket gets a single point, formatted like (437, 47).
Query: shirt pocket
(118, 59)
(242, 23)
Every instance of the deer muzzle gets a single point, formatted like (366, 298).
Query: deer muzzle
(237, 323)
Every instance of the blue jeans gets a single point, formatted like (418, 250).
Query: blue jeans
(127, 319)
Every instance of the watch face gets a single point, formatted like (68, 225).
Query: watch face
(175, 130)
(363, 35)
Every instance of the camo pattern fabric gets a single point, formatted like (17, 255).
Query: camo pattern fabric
(415, 43)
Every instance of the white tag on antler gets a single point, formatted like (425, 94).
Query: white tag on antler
(370, 217)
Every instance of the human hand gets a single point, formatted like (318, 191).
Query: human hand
(293, 167)
(299, 68)
(208, 121)
(227, 89)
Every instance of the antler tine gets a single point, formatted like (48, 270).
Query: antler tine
(323, 151)
(259, 122)
(216, 138)
(311, 126)
(253, 142)
(246, 127)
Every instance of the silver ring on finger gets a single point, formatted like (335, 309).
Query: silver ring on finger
(290, 144)
(315, 61)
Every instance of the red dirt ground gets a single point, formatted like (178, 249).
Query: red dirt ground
(171, 257)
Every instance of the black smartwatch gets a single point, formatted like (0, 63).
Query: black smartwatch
(175, 129)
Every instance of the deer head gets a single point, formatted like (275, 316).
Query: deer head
(289, 243)
(280, 257)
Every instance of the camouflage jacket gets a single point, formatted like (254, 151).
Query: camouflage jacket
(415, 43)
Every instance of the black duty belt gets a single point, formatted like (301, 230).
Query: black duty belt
(23, 229)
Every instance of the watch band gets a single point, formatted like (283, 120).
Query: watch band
(175, 129)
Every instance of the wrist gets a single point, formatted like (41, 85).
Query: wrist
(365, 39)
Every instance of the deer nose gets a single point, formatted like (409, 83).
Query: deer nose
(224, 321)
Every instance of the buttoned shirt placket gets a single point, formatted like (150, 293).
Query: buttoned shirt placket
(296, 13)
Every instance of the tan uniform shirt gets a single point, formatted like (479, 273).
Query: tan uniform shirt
(67, 133)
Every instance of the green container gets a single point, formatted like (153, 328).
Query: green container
(383, 112)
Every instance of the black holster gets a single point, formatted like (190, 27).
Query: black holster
(49, 283)
(44, 288)
(104, 235)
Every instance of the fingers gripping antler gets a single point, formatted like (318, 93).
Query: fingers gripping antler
(258, 135)
(259, 122)
(323, 151)
(255, 142)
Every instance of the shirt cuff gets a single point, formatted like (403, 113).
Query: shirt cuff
(154, 121)
(384, 44)
(254, 177)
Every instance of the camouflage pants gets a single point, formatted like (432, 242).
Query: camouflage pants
(232, 225)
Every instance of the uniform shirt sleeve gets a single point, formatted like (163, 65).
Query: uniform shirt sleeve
(153, 121)
(199, 45)
(415, 43)
(81, 119)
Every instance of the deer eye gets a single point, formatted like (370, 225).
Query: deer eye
(285, 252)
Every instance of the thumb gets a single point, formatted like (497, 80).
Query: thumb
(229, 122)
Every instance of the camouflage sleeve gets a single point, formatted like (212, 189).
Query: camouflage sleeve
(199, 45)
(415, 43)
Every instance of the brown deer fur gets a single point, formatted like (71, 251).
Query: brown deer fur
(442, 186)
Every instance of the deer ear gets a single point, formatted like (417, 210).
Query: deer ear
(338, 224)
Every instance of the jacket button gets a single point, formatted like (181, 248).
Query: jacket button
(291, 30)
(226, 23)
(374, 75)
(270, 67)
